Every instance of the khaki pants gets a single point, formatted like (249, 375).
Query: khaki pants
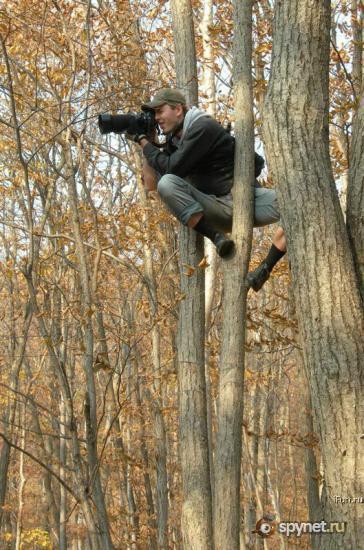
(184, 200)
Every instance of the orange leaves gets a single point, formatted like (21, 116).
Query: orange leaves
(203, 263)
(263, 47)
(4, 25)
(190, 270)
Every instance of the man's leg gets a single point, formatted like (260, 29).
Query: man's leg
(279, 240)
(225, 247)
(266, 212)
(194, 219)
(261, 274)
(189, 206)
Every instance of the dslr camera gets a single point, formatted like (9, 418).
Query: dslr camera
(139, 123)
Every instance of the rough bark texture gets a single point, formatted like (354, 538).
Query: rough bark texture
(357, 24)
(355, 200)
(227, 515)
(326, 288)
(312, 473)
(196, 507)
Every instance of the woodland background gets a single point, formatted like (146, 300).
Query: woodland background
(90, 282)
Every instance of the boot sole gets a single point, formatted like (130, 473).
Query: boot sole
(256, 285)
(226, 250)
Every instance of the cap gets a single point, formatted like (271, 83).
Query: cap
(165, 95)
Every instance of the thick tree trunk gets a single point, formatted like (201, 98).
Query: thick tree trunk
(355, 200)
(227, 517)
(326, 288)
(196, 517)
(197, 506)
(312, 474)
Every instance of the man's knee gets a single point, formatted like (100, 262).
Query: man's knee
(266, 207)
(163, 186)
(280, 232)
(167, 187)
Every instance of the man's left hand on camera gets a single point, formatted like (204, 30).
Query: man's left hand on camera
(137, 138)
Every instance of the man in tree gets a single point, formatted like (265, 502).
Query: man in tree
(196, 167)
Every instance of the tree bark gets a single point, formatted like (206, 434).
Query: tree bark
(196, 519)
(227, 515)
(312, 473)
(357, 17)
(326, 289)
(208, 89)
(355, 199)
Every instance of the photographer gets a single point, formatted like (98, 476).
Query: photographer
(196, 166)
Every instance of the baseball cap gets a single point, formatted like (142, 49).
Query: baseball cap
(165, 95)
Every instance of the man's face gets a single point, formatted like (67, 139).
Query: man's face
(168, 117)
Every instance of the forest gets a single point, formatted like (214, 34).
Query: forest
(148, 399)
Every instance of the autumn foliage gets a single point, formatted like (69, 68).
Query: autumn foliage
(90, 286)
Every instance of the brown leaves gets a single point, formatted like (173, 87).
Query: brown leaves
(203, 263)
(190, 270)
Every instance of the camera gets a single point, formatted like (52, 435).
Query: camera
(139, 123)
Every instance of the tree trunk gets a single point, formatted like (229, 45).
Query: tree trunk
(312, 473)
(355, 200)
(197, 506)
(252, 456)
(357, 17)
(326, 289)
(62, 472)
(208, 89)
(156, 404)
(134, 387)
(90, 397)
(227, 515)
(22, 483)
(161, 468)
(9, 413)
(196, 517)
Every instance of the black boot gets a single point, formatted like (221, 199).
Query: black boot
(225, 247)
(260, 275)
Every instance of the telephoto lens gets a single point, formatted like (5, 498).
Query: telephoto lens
(115, 123)
(140, 123)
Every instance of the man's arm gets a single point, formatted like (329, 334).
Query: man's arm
(196, 144)
(149, 176)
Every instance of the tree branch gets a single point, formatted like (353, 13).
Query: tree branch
(42, 464)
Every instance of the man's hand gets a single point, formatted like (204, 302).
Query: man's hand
(137, 138)
(143, 140)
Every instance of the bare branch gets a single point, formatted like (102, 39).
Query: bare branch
(42, 464)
